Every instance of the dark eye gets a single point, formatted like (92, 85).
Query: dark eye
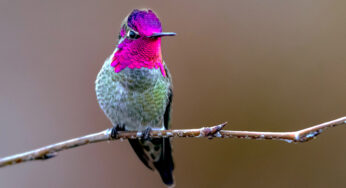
(132, 35)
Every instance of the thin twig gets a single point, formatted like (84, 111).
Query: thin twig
(209, 132)
(302, 135)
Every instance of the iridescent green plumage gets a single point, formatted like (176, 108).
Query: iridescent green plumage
(136, 98)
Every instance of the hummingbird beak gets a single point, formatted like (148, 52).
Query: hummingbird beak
(162, 34)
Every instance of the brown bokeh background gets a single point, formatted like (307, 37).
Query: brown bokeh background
(260, 65)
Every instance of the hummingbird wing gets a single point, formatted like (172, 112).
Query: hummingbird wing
(157, 153)
(165, 164)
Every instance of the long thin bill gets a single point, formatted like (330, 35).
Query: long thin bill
(162, 34)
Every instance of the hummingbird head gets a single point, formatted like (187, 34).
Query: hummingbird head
(140, 42)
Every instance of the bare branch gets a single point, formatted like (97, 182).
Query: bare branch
(209, 132)
(302, 135)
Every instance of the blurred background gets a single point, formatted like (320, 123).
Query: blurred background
(260, 65)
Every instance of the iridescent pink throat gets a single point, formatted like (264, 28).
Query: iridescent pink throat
(135, 54)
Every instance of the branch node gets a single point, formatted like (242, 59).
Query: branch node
(307, 136)
(47, 156)
(211, 132)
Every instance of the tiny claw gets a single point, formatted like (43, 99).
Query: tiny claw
(114, 133)
(146, 133)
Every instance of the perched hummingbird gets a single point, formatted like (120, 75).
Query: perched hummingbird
(134, 89)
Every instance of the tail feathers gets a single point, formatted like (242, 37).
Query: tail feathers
(137, 147)
(165, 164)
(156, 154)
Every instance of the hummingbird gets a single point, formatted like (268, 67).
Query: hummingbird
(134, 89)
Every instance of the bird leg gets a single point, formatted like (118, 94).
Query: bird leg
(146, 133)
(115, 130)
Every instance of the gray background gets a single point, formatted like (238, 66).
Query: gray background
(260, 65)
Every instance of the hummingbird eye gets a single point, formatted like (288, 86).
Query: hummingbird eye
(132, 35)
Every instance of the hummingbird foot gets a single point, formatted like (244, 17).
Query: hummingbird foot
(146, 133)
(114, 132)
